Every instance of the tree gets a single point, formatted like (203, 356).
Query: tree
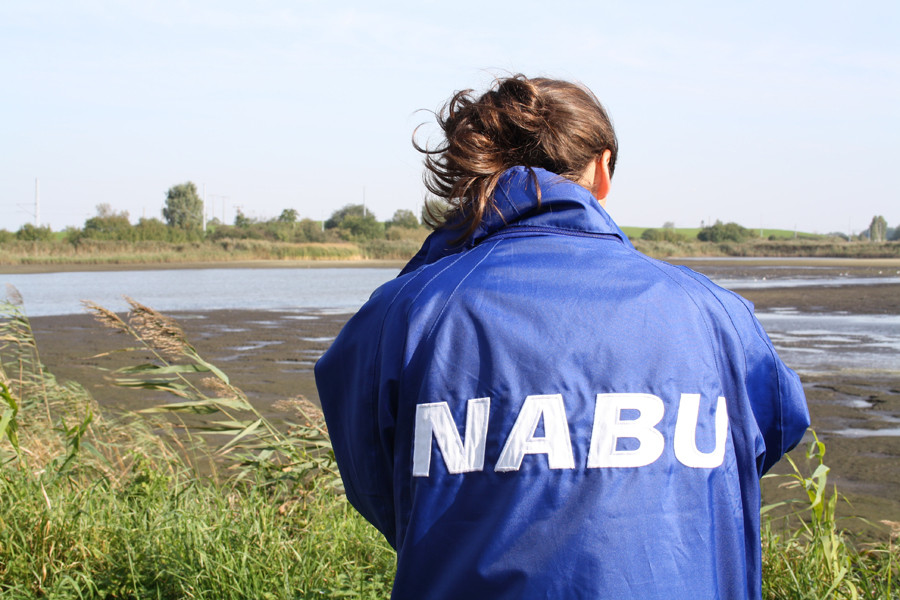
(727, 232)
(108, 225)
(338, 217)
(309, 231)
(30, 233)
(184, 208)
(878, 229)
(242, 221)
(367, 227)
(404, 218)
(151, 229)
(288, 215)
(353, 221)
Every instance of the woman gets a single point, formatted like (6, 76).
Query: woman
(534, 409)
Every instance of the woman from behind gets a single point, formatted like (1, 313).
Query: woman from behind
(534, 409)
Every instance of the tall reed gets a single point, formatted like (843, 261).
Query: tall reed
(100, 506)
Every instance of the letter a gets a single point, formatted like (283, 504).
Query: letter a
(609, 427)
(686, 434)
(434, 419)
(556, 443)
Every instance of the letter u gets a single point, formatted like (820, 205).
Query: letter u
(686, 450)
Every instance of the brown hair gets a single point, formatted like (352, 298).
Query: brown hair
(548, 123)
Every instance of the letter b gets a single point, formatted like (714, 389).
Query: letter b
(609, 427)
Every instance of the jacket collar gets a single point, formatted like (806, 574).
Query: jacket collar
(564, 205)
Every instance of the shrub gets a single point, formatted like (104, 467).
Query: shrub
(727, 232)
(29, 233)
(662, 235)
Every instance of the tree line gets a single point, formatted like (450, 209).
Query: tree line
(878, 231)
(183, 222)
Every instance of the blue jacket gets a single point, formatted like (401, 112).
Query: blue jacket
(543, 412)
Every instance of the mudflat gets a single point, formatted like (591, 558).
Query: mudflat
(270, 355)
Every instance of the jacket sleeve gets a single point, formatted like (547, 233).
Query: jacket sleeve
(348, 382)
(775, 393)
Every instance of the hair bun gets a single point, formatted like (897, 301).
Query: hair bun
(552, 124)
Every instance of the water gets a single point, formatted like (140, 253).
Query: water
(812, 343)
(792, 282)
(834, 342)
(820, 342)
(343, 290)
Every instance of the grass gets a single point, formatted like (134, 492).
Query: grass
(105, 252)
(807, 556)
(90, 252)
(159, 534)
(143, 506)
(134, 506)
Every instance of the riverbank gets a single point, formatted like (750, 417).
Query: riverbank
(61, 256)
(866, 267)
(207, 264)
(271, 354)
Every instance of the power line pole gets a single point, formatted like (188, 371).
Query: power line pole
(37, 203)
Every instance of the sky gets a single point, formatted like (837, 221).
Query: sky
(768, 113)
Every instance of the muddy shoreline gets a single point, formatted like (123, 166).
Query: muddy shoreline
(874, 266)
(270, 355)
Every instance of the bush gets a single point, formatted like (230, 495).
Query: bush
(662, 235)
(728, 232)
(30, 233)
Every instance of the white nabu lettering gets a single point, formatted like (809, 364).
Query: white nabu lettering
(609, 427)
(556, 443)
(460, 458)
(686, 433)
(435, 421)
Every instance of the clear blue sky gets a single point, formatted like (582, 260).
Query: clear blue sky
(768, 113)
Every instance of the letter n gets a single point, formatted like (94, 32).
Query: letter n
(435, 420)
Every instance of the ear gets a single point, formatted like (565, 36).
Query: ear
(601, 183)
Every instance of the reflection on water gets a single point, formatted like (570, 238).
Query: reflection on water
(834, 342)
(859, 433)
(337, 290)
(766, 282)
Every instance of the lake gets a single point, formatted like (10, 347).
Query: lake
(808, 342)
(344, 289)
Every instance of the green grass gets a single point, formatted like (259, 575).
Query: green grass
(158, 534)
(402, 246)
(104, 506)
(101, 506)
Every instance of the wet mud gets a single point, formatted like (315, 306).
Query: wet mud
(270, 355)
